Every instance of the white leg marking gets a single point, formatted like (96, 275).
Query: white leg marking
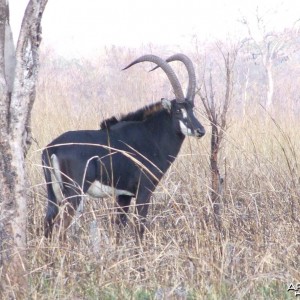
(56, 179)
(99, 190)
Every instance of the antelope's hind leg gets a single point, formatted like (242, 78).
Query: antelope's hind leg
(54, 195)
(70, 205)
(65, 212)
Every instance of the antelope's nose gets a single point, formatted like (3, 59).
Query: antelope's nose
(200, 132)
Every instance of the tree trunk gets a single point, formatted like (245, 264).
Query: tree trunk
(218, 121)
(216, 181)
(17, 84)
(270, 89)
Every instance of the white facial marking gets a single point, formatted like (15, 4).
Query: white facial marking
(184, 129)
(56, 179)
(99, 190)
(184, 113)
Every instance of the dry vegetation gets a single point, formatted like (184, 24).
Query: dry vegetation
(183, 256)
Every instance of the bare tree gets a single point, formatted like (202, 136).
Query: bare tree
(269, 48)
(216, 111)
(18, 75)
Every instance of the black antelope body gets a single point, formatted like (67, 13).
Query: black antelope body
(126, 158)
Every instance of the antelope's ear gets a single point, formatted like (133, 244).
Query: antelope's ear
(167, 105)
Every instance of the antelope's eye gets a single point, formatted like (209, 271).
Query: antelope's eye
(178, 111)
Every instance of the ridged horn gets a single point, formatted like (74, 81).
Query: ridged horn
(167, 69)
(190, 94)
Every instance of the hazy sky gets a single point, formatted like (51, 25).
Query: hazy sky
(73, 28)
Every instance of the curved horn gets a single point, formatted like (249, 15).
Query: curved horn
(190, 94)
(167, 69)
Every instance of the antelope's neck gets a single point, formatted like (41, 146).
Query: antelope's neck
(166, 136)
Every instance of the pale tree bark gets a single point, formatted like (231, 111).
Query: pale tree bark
(18, 75)
(267, 57)
(270, 90)
(269, 47)
(245, 98)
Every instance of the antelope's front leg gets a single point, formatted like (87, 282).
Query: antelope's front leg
(123, 203)
(142, 206)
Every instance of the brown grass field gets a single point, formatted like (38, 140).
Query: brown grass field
(183, 255)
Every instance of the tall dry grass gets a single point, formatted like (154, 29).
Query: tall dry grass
(183, 256)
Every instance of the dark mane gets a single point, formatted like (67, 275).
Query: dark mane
(107, 123)
(136, 116)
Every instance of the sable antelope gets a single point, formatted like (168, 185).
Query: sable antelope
(126, 158)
